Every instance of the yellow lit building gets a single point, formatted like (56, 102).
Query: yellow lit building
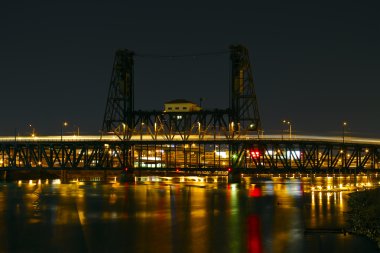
(181, 105)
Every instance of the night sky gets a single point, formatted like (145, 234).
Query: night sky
(316, 65)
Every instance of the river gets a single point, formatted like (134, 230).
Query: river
(275, 214)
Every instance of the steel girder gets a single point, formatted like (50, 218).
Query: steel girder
(200, 154)
(310, 155)
(181, 125)
(64, 155)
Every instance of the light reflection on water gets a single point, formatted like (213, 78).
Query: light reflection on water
(261, 215)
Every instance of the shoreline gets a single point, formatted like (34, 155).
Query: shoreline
(363, 215)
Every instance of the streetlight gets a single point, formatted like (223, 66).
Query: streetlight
(77, 130)
(232, 126)
(199, 130)
(155, 130)
(344, 130)
(141, 131)
(64, 124)
(33, 130)
(290, 127)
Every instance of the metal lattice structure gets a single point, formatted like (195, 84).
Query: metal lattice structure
(241, 118)
(203, 140)
(120, 102)
(250, 156)
(243, 102)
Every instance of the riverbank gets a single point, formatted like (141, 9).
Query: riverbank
(363, 216)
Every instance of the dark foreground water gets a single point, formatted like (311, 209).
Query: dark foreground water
(279, 215)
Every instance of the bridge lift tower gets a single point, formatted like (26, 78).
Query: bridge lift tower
(242, 117)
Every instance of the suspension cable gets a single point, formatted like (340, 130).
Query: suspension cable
(195, 55)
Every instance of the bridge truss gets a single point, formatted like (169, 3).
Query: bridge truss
(242, 116)
(208, 140)
(248, 156)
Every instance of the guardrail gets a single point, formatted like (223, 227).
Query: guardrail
(137, 138)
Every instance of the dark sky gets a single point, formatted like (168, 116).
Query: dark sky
(314, 64)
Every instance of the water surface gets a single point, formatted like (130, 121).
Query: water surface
(258, 216)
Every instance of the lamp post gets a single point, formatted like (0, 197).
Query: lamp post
(344, 125)
(199, 130)
(282, 130)
(124, 126)
(141, 131)
(64, 124)
(155, 130)
(232, 128)
(33, 130)
(290, 127)
(76, 130)
(16, 134)
(344, 130)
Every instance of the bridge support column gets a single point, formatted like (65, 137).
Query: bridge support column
(64, 178)
(234, 176)
(105, 175)
(4, 175)
(127, 175)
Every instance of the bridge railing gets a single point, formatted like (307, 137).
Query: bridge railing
(250, 152)
(137, 138)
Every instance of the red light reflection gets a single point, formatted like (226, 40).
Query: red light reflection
(254, 234)
(255, 192)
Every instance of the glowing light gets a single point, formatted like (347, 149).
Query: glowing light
(222, 154)
(255, 153)
(56, 181)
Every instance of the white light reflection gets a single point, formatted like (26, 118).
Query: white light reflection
(56, 181)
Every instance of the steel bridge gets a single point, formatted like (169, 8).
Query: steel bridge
(248, 154)
(228, 139)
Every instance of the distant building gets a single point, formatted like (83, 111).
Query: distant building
(181, 105)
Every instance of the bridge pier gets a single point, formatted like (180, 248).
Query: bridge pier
(4, 175)
(64, 178)
(234, 176)
(127, 175)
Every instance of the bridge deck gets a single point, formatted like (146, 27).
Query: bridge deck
(207, 153)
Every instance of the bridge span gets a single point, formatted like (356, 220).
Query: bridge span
(250, 154)
(185, 136)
